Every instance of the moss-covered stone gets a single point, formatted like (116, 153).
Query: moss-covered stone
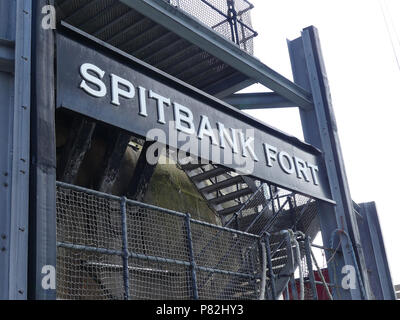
(171, 188)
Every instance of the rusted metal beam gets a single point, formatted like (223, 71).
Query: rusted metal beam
(143, 173)
(78, 144)
(116, 148)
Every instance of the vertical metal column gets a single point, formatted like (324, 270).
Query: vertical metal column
(311, 276)
(42, 215)
(320, 130)
(232, 19)
(193, 266)
(15, 90)
(125, 258)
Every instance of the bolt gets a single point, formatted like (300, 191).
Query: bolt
(22, 229)
(3, 249)
(5, 184)
(20, 291)
(3, 236)
(6, 174)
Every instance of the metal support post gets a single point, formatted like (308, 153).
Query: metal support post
(42, 215)
(125, 257)
(193, 266)
(320, 130)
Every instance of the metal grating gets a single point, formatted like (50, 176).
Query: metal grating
(130, 31)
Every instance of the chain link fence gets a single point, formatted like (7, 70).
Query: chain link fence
(113, 248)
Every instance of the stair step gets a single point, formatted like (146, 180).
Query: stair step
(221, 185)
(230, 196)
(230, 210)
(234, 209)
(191, 166)
(209, 174)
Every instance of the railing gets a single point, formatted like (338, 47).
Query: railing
(110, 247)
(230, 18)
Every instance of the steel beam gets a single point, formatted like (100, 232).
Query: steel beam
(42, 211)
(375, 253)
(142, 174)
(116, 148)
(207, 39)
(78, 144)
(15, 90)
(265, 100)
(320, 130)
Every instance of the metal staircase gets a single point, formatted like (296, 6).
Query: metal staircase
(224, 190)
(252, 207)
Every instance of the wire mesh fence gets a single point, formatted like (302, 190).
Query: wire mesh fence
(113, 248)
(230, 18)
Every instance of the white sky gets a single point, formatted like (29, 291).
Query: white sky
(365, 85)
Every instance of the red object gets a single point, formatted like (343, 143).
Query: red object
(321, 291)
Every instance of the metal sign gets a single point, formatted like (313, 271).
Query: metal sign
(108, 85)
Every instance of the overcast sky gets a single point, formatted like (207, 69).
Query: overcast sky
(365, 85)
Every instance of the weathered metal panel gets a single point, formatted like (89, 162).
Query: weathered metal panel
(14, 159)
(128, 113)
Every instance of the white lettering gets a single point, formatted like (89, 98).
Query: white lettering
(183, 115)
(116, 91)
(224, 135)
(247, 144)
(301, 169)
(84, 70)
(161, 101)
(270, 154)
(142, 102)
(314, 170)
(284, 155)
(205, 129)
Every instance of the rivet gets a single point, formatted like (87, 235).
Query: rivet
(3, 236)
(22, 229)
(6, 184)
(21, 291)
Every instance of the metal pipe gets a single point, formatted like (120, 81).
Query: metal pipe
(263, 270)
(150, 258)
(125, 257)
(321, 276)
(310, 268)
(298, 258)
(193, 266)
